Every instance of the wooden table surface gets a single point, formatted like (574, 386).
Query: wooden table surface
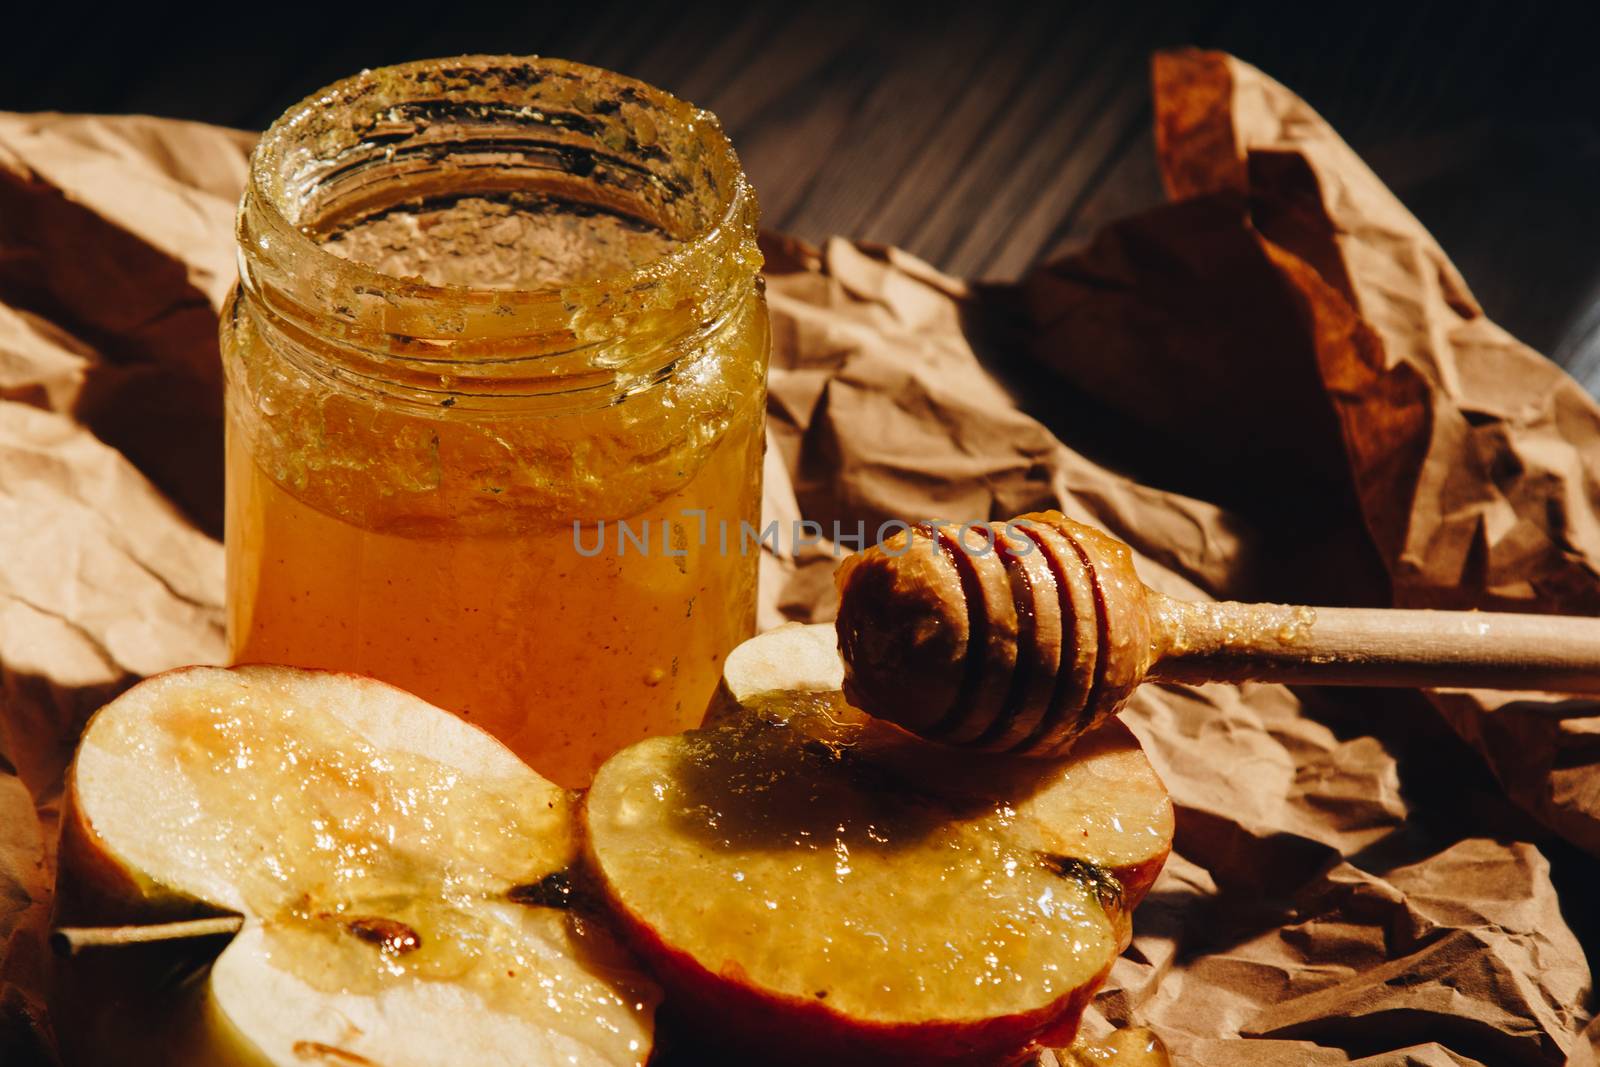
(983, 137)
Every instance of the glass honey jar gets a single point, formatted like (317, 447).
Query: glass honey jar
(496, 373)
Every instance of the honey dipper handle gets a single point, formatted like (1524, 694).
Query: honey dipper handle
(1231, 642)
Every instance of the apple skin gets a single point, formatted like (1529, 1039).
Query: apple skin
(1137, 879)
(771, 1027)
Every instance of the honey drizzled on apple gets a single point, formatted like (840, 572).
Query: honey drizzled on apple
(802, 812)
(860, 872)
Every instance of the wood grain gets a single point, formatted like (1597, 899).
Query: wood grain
(1391, 647)
(983, 138)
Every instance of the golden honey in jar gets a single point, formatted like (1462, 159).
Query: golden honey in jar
(496, 371)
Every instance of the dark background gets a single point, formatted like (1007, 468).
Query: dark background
(983, 137)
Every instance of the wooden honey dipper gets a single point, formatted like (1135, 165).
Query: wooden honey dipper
(1021, 636)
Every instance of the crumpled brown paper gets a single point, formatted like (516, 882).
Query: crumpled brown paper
(113, 255)
(1303, 403)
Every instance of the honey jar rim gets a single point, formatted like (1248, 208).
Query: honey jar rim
(725, 238)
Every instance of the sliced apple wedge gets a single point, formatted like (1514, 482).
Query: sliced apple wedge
(400, 873)
(818, 885)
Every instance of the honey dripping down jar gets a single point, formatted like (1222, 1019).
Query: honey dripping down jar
(496, 373)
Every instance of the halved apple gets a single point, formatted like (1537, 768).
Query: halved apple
(400, 873)
(815, 884)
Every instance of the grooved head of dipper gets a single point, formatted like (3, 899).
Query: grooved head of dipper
(1009, 651)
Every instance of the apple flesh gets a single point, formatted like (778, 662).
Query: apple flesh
(400, 874)
(812, 883)
(1103, 803)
